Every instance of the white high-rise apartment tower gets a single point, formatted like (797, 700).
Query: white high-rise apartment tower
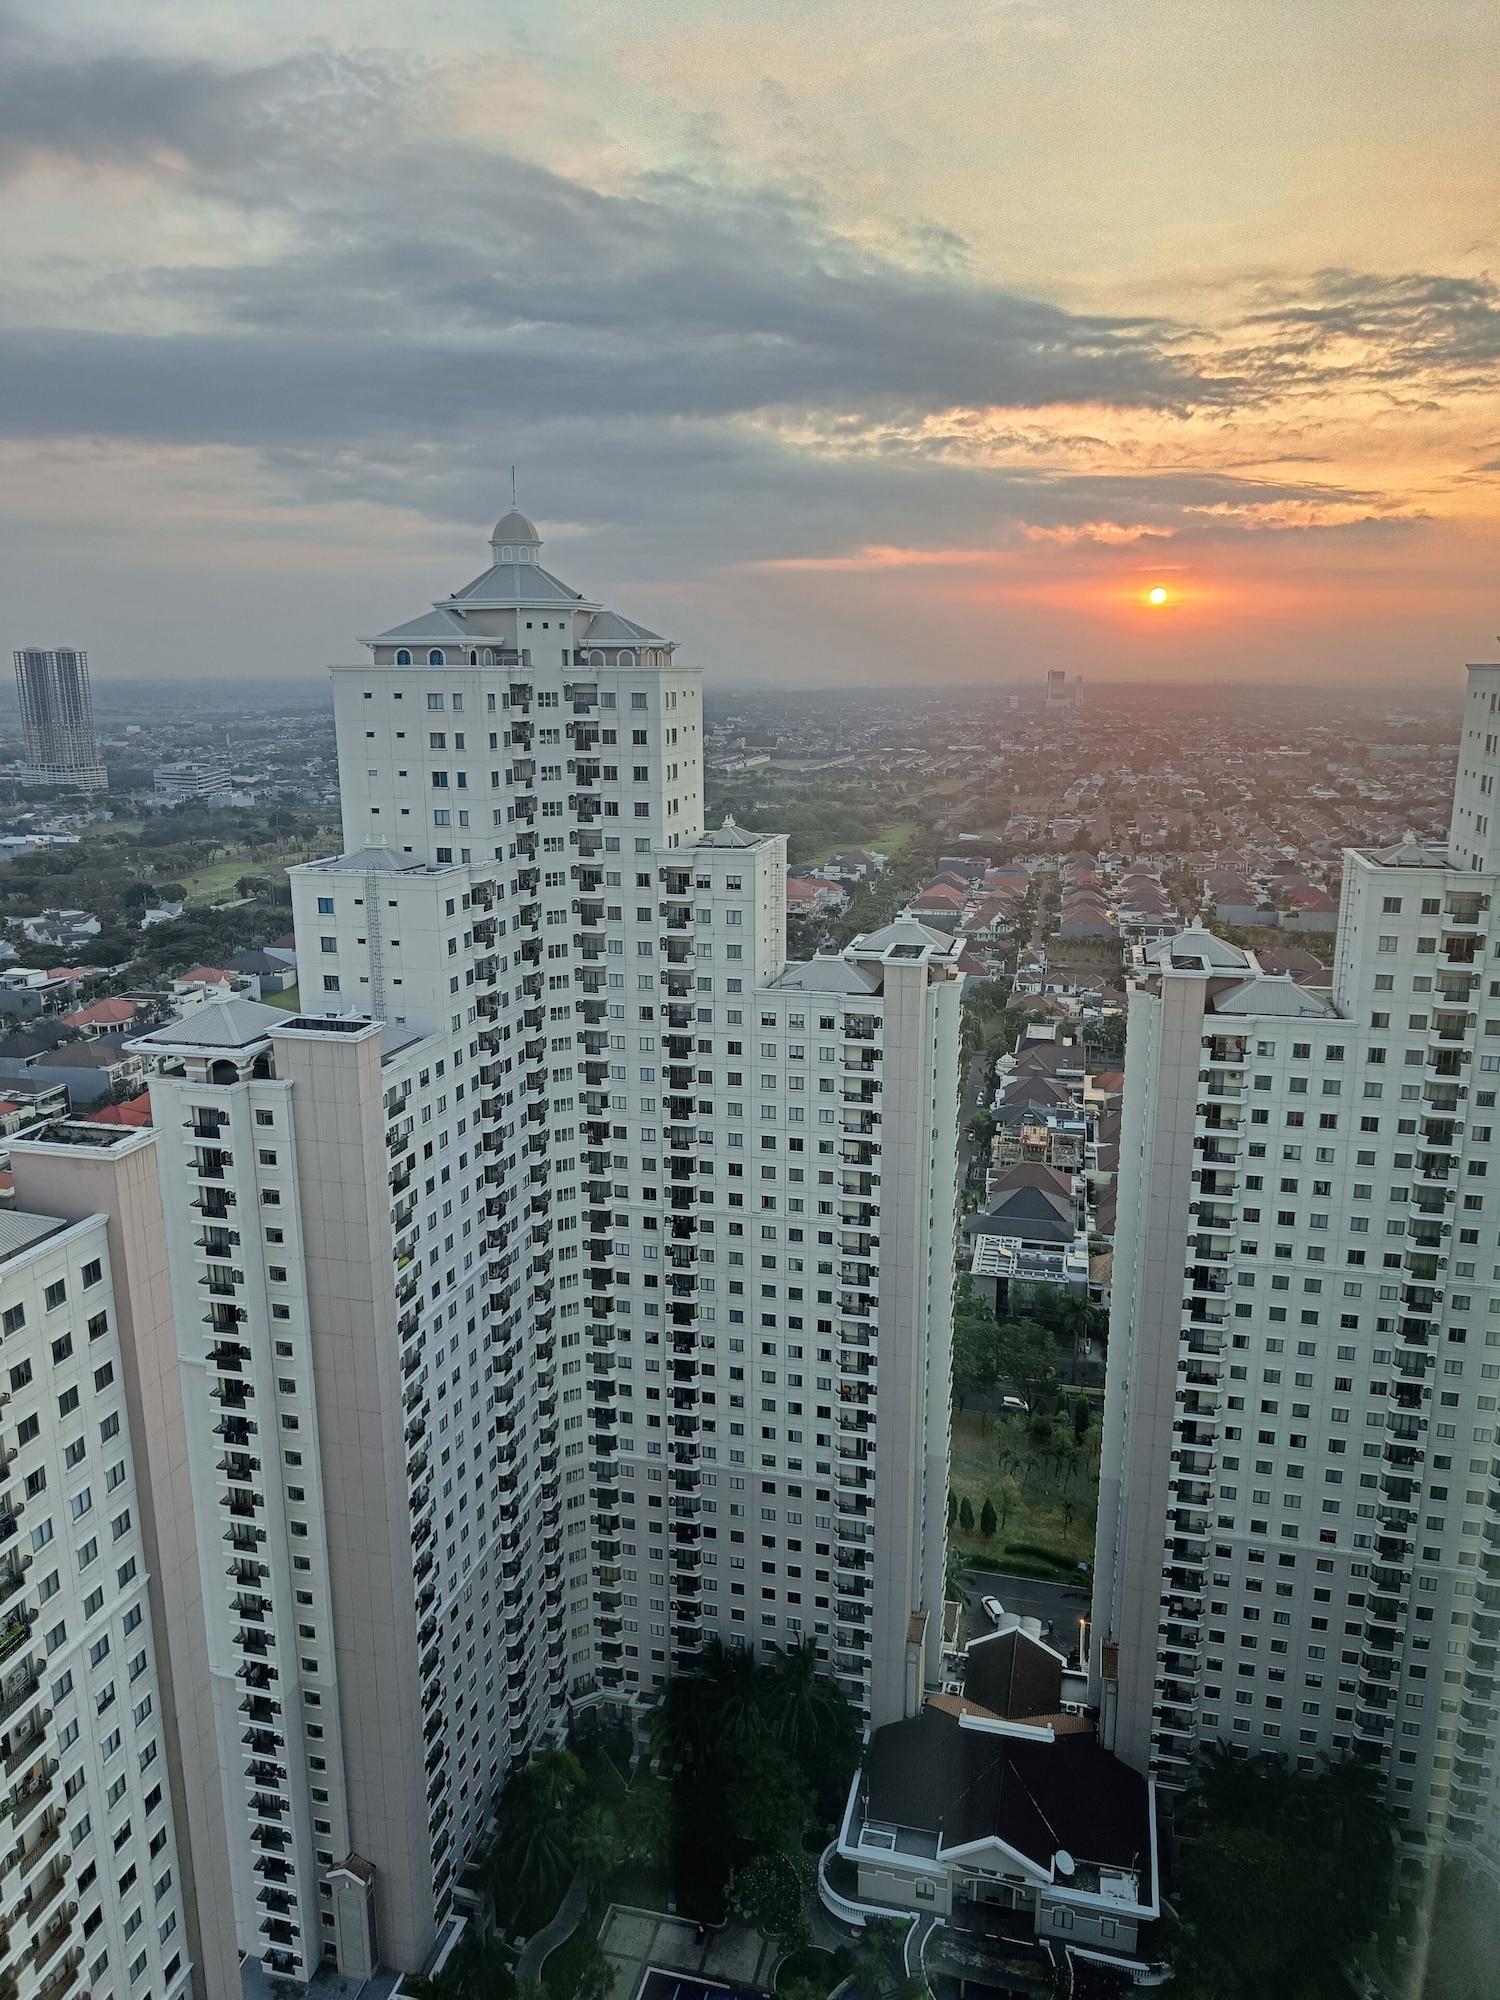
(1299, 1530)
(569, 1281)
(111, 1868)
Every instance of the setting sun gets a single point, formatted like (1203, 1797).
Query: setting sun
(1156, 595)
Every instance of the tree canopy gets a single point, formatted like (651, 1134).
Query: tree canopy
(1281, 1876)
(757, 1752)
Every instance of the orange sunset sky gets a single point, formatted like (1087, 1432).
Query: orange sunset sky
(843, 342)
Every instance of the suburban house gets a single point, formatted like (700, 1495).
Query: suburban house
(93, 1070)
(203, 984)
(265, 974)
(807, 898)
(1031, 1234)
(939, 904)
(98, 1017)
(995, 1814)
(60, 927)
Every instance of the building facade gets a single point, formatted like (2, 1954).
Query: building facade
(569, 1281)
(57, 719)
(95, 1895)
(1299, 1508)
(192, 778)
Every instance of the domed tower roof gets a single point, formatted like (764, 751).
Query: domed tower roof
(514, 531)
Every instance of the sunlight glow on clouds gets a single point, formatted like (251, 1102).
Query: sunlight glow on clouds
(778, 310)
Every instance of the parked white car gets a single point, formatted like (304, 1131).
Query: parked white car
(993, 1609)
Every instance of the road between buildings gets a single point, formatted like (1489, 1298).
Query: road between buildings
(1058, 1605)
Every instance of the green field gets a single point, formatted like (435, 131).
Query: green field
(1056, 1494)
(215, 883)
(891, 840)
(290, 1000)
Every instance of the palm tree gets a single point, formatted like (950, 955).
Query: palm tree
(532, 1860)
(730, 1692)
(803, 1706)
(679, 1726)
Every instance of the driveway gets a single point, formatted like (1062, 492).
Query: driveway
(1058, 1605)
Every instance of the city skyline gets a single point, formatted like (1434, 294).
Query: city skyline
(846, 342)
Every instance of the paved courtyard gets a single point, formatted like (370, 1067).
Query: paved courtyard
(638, 1939)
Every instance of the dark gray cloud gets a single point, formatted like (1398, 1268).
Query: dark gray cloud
(1416, 331)
(438, 308)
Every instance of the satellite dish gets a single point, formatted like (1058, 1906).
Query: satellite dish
(1062, 1863)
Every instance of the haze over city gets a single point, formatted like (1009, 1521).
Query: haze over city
(843, 344)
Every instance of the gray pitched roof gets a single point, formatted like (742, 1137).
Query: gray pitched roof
(516, 583)
(905, 930)
(433, 624)
(730, 835)
(608, 628)
(827, 974)
(1198, 945)
(1409, 852)
(1271, 993)
(221, 1024)
(377, 860)
(18, 1231)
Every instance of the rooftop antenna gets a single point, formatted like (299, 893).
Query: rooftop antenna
(513, 486)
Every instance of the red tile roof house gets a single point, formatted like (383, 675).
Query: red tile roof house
(1311, 910)
(101, 1014)
(803, 898)
(134, 1111)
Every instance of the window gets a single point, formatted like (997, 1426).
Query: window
(435, 658)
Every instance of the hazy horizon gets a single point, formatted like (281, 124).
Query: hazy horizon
(842, 346)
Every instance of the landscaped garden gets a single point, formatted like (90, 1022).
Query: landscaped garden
(748, 1772)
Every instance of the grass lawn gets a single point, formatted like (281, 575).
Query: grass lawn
(1053, 1511)
(216, 882)
(890, 839)
(289, 1000)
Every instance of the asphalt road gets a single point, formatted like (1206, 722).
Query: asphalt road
(1058, 1605)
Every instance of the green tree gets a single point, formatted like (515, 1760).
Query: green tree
(595, 1841)
(476, 1969)
(974, 1343)
(1009, 1494)
(591, 1973)
(1082, 1417)
(952, 1506)
(771, 1891)
(532, 1859)
(1104, 1037)
(645, 1822)
(1026, 1360)
(766, 1798)
(1281, 1876)
(955, 1575)
(989, 1520)
(966, 1515)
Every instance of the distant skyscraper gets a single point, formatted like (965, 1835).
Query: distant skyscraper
(1058, 693)
(1299, 1514)
(57, 715)
(1078, 690)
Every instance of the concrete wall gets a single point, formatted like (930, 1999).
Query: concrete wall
(121, 1185)
(339, 1125)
